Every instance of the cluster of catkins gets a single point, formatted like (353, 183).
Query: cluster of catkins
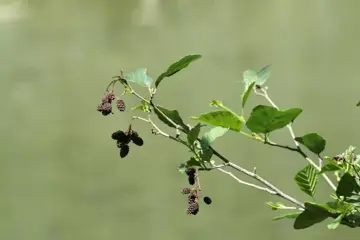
(124, 138)
(106, 103)
(193, 196)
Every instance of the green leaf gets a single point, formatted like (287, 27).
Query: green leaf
(336, 222)
(288, 216)
(330, 167)
(193, 162)
(211, 135)
(307, 179)
(216, 103)
(265, 119)
(347, 185)
(358, 104)
(310, 217)
(145, 107)
(263, 75)
(182, 168)
(221, 118)
(313, 141)
(140, 77)
(276, 206)
(173, 115)
(193, 134)
(177, 66)
(246, 94)
(249, 77)
(206, 155)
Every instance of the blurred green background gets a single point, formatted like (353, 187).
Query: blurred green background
(61, 176)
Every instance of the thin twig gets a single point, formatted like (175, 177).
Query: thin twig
(299, 149)
(247, 183)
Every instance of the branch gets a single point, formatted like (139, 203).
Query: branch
(298, 148)
(269, 187)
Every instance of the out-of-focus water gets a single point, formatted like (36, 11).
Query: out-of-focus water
(61, 176)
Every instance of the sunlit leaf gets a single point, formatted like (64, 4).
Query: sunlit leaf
(221, 118)
(246, 94)
(177, 66)
(140, 77)
(288, 216)
(307, 179)
(265, 119)
(211, 135)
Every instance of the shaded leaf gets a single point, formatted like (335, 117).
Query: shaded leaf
(193, 162)
(207, 155)
(145, 107)
(177, 66)
(140, 77)
(211, 135)
(313, 141)
(246, 94)
(173, 115)
(330, 167)
(182, 168)
(307, 179)
(358, 104)
(193, 134)
(263, 75)
(336, 222)
(288, 216)
(265, 119)
(221, 118)
(310, 217)
(347, 185)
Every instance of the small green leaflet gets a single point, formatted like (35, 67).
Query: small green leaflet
(307, 179)
(211, 135)
(221, 118)
(312, 141)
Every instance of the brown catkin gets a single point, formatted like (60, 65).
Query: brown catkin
(120, 104)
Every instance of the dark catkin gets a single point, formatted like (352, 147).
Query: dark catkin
(193, 208)
(118, 135)
(120, 104)
(124, 150)
(109, 97)
(207, 200)
(136, 139)
(190, 172)
(185, 190)
(191, 180)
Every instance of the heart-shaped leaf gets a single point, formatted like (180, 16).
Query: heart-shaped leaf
(140, 77)
(221, 118)
(211, 135)
(313, 141)
(265, 119)
(177, 66)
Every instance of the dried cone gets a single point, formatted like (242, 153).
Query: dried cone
(185, 190)
(120, 104)
(193, 209)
